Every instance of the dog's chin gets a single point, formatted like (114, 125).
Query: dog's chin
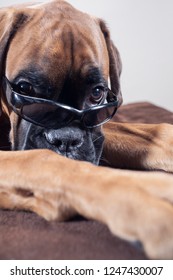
(89, 149)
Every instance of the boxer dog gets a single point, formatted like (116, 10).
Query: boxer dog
(55, 63)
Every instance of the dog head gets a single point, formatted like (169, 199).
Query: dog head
(55, 52)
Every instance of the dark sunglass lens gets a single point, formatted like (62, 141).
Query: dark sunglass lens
(99, 116)
(46, 115)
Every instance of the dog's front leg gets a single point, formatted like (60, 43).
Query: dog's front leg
(139, 146)
(34, 180)
(56, 187)
(131, 210)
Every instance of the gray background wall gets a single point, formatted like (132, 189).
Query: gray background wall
(143, 32)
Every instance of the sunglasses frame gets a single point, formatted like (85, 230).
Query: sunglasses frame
(17, 101)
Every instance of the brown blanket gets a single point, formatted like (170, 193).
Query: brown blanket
(26, 236)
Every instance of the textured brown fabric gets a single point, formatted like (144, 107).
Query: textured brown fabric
(26, 236)
(143, 112)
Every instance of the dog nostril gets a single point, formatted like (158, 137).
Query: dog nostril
(75, 143)
(58, 143)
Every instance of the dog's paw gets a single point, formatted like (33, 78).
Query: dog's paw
(46, 203)
(50, 206)
(143, 213)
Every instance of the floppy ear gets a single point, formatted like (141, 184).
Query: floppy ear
(10, 21)
(115, 65)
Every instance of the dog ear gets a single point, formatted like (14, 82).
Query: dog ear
(10, 21)
(115, 65)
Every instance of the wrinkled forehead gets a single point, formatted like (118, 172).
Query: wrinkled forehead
(57, 41)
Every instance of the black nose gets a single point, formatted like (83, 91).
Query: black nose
(65, 139)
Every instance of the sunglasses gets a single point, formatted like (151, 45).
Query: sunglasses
(53, 115)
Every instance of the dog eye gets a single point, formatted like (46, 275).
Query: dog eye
(98, 94)
(24, 88)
